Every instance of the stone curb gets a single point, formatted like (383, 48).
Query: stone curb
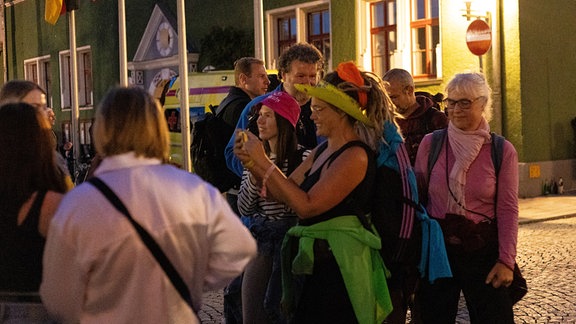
(539, 220)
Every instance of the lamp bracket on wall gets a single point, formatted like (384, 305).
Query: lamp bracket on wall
(469, 13)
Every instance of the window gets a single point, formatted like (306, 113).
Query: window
(306, 22)
(85, 89)
(286, 32)
(37, 70)
(85, 136)
(425, 37)
(382, 34)
(319, 31)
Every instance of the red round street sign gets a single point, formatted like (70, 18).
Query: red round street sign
(479, 37)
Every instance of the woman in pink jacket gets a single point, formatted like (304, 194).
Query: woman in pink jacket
(476, 207)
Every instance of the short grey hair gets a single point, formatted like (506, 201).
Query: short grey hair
(475, 84)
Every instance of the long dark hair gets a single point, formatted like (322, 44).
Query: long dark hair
(28, 162)
(286, 145)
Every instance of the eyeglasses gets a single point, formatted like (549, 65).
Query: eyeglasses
(317, 108)
(464, 104)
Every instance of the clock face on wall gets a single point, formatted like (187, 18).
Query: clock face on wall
(165, 39)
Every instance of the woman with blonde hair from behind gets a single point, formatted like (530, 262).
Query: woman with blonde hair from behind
(96, 267)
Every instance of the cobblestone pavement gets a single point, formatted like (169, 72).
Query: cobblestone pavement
(212, 309)
(547, 257)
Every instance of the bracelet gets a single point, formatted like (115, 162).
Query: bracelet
(249, 164)
(266, 176)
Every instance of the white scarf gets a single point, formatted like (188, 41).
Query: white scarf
(465, 145)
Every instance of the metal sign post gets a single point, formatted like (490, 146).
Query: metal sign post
(184, 89)
(74, 88)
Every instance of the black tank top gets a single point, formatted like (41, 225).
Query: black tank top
(21, 250)
(358, 201)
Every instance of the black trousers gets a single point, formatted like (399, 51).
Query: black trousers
(486, 304)
(324, 298)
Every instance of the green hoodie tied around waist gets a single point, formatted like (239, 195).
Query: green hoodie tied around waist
(356, 252)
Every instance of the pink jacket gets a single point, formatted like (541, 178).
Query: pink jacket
(480, 191)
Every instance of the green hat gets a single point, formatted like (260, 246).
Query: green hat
(327, 92)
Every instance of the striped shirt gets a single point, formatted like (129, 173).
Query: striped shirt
(251, 204)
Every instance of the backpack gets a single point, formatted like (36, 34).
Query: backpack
(409, 237)
(394, 210)
(210, 135)
(437, 98)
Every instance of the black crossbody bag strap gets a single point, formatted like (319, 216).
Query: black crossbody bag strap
(148, 240)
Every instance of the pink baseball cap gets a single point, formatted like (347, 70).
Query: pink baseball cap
(284, 105)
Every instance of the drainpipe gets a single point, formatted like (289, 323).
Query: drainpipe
(497, 68)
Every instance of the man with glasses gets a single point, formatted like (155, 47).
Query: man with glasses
(419, 117)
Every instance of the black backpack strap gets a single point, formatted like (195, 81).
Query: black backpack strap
(438, 137)
(497, 152)
(222, 106)
(148, 240)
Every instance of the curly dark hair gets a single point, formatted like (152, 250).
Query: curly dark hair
(303, 52)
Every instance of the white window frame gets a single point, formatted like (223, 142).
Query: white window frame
(85, 80)
(35, 70)
(300, 11)
(402, 57)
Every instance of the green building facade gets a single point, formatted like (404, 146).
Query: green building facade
(529, 65)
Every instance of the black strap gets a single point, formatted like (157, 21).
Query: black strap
(33, 217)
(438, 137)
(148, 240)
(224, 104)
(343, 148)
